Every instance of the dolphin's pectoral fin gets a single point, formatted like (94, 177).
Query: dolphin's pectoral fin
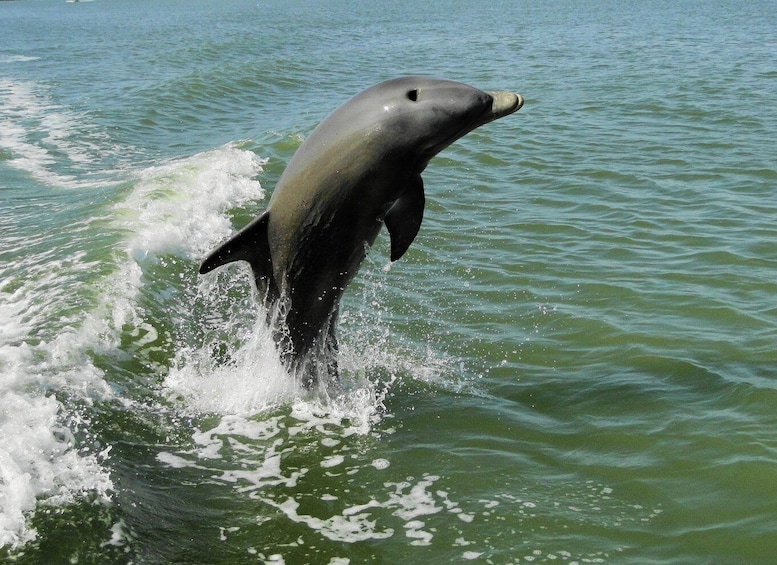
(403, 219)
(249, 244)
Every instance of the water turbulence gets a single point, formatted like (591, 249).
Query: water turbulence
(306, 471)
(166, 395)
(240, 422)
(247, 425)
(153, 402)
(49, 456)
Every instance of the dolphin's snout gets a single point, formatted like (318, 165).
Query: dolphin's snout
(504, 103)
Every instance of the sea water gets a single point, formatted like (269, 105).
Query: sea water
(573, 363)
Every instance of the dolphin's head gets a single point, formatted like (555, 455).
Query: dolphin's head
(425, 115)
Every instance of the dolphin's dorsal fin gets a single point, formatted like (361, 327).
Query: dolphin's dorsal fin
(403, 219)
(249, 244)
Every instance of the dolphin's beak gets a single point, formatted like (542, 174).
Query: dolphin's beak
(504, 104)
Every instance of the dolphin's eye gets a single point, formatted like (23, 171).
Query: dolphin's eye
(412, 95)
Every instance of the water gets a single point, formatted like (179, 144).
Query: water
(574, 363)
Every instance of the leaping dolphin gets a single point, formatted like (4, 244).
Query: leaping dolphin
(359, 169)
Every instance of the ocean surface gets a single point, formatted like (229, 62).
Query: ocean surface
(575, 362)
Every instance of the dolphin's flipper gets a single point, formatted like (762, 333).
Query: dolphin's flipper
(403, 219)
(249, 244)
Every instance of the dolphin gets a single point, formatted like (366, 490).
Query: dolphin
(359, 169)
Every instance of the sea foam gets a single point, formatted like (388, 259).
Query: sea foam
(46, 349)
(53, 144)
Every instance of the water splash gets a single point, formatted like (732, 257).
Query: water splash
(55, 326)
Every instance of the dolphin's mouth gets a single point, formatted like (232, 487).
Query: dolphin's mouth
(504, 103)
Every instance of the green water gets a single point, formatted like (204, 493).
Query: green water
(573, 363)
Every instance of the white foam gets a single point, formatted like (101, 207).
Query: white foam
(358, 522)
(17, 58)
(347, 527)
(180, 207)
(44, 138)
(38, 459)
(252, 383)
(381, 464)
(256, 451)
(332, 461)
(176, 208)
(417, 502)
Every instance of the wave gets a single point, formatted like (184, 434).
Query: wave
(55, 145)
(17, 59)
(40, 457)
(56, 326)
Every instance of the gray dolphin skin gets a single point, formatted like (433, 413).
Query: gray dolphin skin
(359, 169)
